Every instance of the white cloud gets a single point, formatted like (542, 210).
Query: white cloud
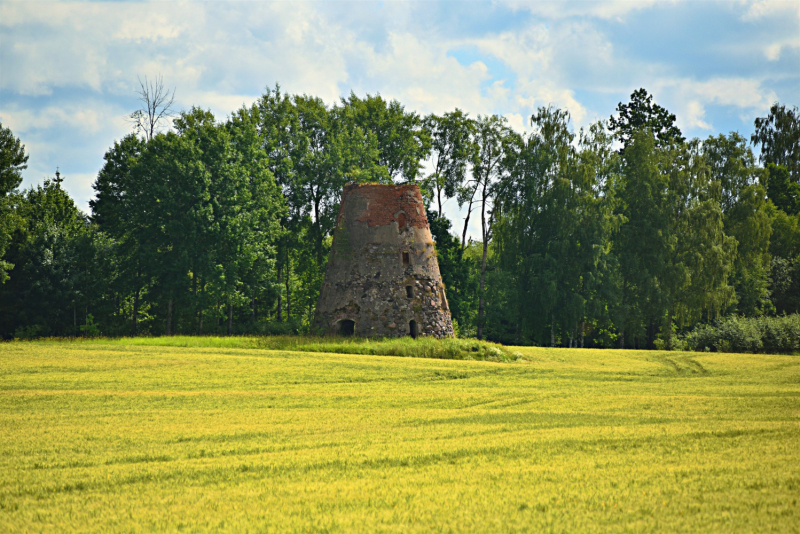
(89, 117)
(516, 122)
(694, 116)
(602, 9)
(773, 51)
(68, 76)
(759, 9)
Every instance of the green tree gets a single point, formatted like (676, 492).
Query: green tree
(492, 141)
(13, 161)
(458, 272)
(452, 149)
(782, 190)
(552, 221)
(641, 113)
(43, 294)
(747, 217)
(112, 212)
(778, 135)
(401, 138)
(703, 256)
(644, 244)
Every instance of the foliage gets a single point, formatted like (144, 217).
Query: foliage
(90, 329)
(767, 335)
(12, 161)
(778, 135)
(457, 270)
(782, 190)
(641, 113)
(403, 141)
(59, 265)
(102, 437)
(225, 227)
(453, 148)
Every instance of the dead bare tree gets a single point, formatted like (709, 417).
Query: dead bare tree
(156, 107)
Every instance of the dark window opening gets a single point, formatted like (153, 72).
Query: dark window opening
(346, 327)
(405, 258)
(413, 329)
(410, 292)
(401, 221)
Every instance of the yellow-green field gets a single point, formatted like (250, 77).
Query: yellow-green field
(112, 437)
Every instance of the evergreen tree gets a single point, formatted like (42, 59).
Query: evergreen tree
(13, 161)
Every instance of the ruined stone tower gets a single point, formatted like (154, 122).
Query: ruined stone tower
(382, 278)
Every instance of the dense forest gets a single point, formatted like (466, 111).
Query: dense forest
(622, 234)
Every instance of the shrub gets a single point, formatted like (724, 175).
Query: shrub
(770, 335)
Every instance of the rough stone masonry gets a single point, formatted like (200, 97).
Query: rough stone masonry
(382, 278)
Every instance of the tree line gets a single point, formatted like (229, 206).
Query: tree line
(622, 234)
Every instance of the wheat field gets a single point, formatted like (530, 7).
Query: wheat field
(116, 436)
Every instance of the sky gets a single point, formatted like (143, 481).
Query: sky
(69, 70)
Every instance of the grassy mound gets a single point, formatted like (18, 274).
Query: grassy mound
(424, 347)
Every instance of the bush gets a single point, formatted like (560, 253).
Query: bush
(90, 329)
(769, 335)
(422, 347)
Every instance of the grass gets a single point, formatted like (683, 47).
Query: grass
(424, 347)
(140, 436)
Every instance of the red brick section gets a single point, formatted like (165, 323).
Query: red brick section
(386, 201)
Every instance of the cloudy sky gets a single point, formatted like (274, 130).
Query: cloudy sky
(68, 70)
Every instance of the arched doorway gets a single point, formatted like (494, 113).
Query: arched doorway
(345, 327)
(413, 329)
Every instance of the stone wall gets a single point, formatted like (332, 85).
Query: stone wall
(382, 271)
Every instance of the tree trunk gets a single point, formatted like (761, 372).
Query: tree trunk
(196, 301)
(552, 329)
(136, 312)
(651, 334)
(481, 301)
(622, 339)
(169, 315)
(319, 238)
(583, 323)
(230, 319)
(668, 329)
(280, 304)
(485, 236)
(466, 222)
(288, 296)
(253, 304)
(439, 195)
(199, 305)
(74, 319)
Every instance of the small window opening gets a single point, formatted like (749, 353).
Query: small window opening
(401, 221)
(410, 292)
(346, 327)
(413, 329)
(405, 258)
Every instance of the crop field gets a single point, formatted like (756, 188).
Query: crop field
(117, 436)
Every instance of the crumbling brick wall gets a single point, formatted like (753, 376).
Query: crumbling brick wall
(382, 271)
